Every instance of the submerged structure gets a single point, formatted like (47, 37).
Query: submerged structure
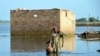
(41, 21)
(95, 35)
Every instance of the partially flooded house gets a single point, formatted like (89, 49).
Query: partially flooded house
(41, 21)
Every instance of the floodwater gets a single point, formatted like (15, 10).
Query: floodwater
(35, 46)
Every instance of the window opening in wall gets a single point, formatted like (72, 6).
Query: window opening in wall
(66, 14)
(35, 15)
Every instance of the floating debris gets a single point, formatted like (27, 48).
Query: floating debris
(4, 35)
(98, 50)
(95, 35)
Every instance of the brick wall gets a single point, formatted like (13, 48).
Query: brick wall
(31, 21)
(67, 21)
(40, 22)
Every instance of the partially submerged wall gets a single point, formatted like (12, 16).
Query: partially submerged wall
(40, 22)
(67, 22)
(34, 22)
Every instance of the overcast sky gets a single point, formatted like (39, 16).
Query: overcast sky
(81, 8)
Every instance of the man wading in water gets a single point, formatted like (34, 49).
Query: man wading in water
(54, 42)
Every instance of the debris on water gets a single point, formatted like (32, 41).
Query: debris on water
(4, 35)
(98, 50)
(93, 35)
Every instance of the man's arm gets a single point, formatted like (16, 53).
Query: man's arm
(62, 41)
(62, 35)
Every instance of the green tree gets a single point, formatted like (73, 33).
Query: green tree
(93, 19)
(98, 19)
(81, 20)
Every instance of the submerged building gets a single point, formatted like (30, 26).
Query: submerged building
(41, 21)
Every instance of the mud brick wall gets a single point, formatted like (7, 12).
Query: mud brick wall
(34, 22)
(67, 21)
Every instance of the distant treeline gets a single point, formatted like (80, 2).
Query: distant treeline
(87, 23)
(4, 21)
(91, 21)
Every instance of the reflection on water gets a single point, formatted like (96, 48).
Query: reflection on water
(21, 45)
(35, 46)
(26, 43)
(53, 54)
(69, 43)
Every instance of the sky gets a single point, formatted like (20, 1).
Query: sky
(81, 8)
